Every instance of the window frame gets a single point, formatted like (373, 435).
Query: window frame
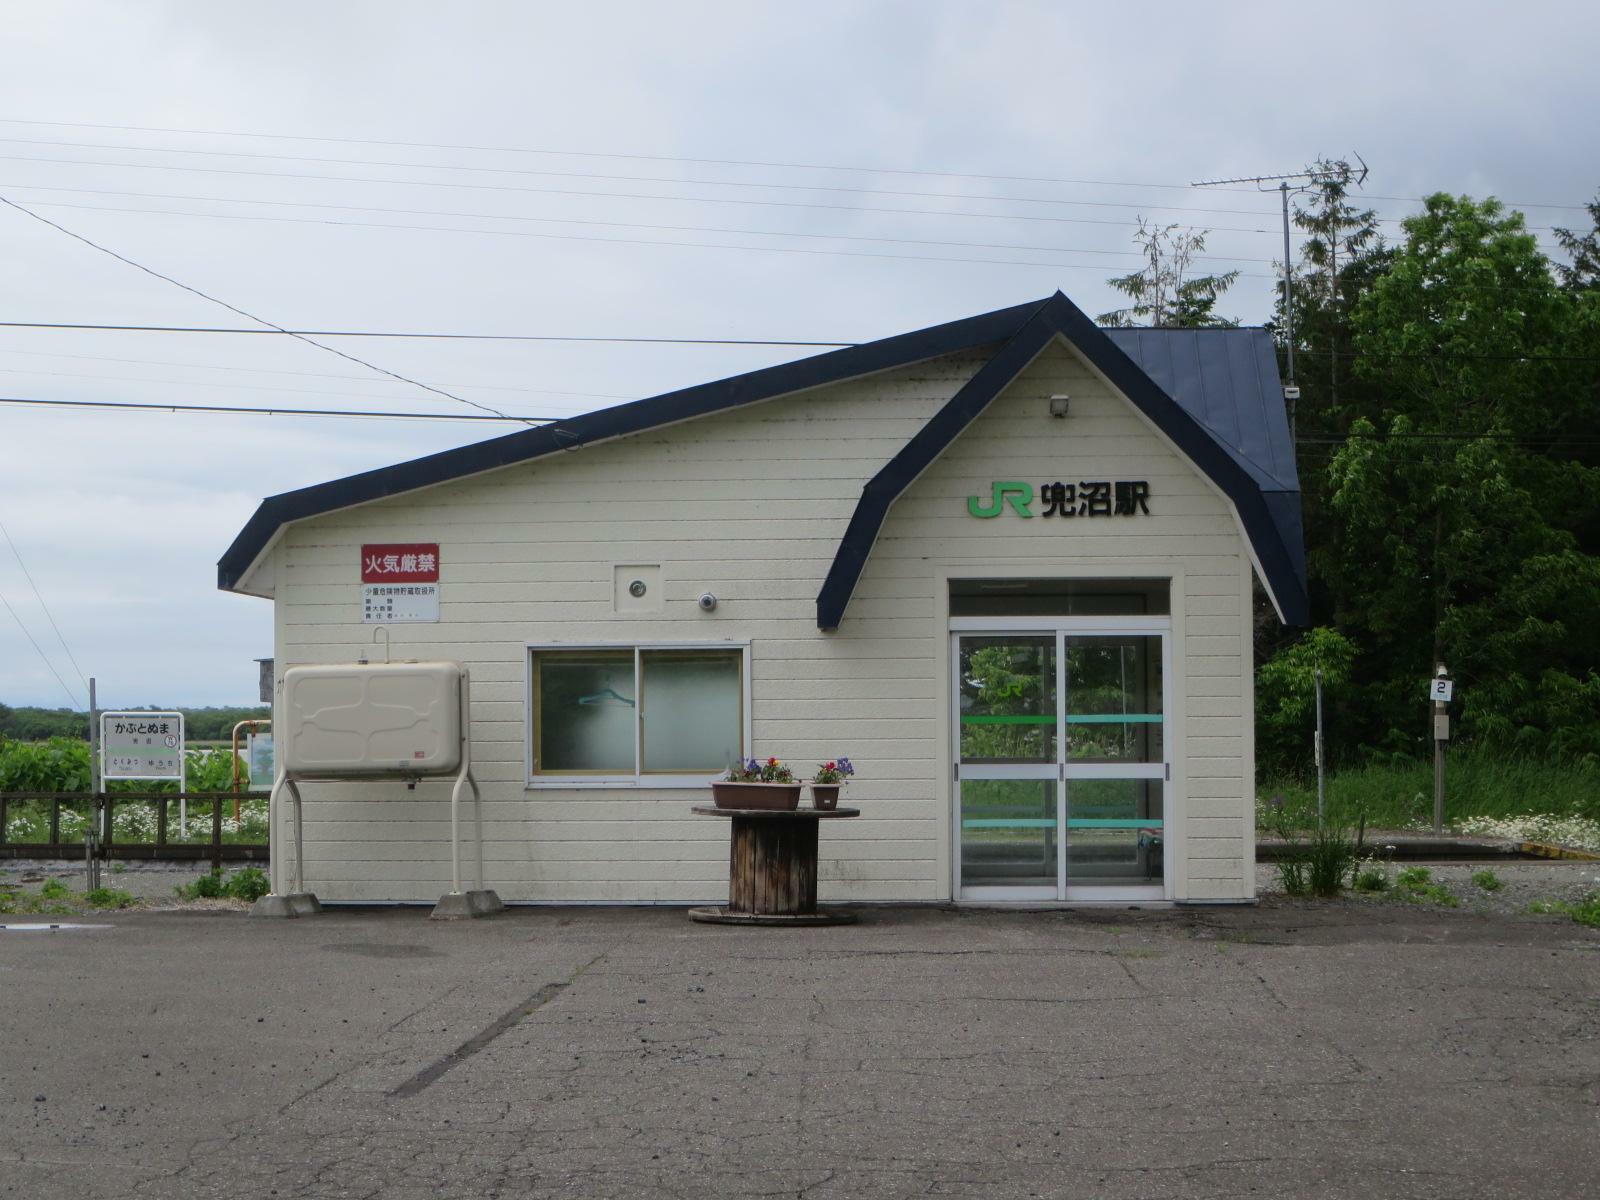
(666, 780)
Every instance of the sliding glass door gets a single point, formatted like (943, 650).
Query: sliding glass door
(1060, 762)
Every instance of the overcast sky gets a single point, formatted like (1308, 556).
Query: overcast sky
(827, 171)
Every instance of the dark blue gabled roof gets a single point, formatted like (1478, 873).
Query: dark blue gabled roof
(1214, 392)
(1227, 379)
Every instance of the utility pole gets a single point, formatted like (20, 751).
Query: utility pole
(1291, 390)
(91, 863)
(1322, 782)
(1441, 691)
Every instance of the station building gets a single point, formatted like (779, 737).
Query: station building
(1006, 565)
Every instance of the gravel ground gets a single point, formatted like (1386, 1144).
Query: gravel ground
(1524, 880)
(152, 883)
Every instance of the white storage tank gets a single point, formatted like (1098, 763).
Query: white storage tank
(354, 719)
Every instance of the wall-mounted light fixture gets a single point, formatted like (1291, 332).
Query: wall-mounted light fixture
(1058, 405)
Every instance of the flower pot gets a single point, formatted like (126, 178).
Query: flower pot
(776, 796)
(825, 795)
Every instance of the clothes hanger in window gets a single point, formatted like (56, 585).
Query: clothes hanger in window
(605, 696)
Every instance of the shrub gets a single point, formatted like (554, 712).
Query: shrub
(1414, 879)
(207, 887)
(105, 897)
(1322, 862)
(1371, 878)
(248, 884)
(1487, 880)
(54, 889)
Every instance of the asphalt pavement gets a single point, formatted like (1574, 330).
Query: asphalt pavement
(1342, 1050)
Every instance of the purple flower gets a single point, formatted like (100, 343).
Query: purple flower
(844, 766)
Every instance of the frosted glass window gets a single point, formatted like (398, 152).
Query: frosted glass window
(693, 715)
(584, 705)
(631, 712)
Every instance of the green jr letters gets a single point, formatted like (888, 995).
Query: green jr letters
(1006, 491)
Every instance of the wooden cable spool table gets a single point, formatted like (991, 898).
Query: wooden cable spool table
(772, 867)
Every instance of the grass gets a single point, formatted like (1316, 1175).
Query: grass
(1396, 795)
(1416, 883)
(1584, 912)
(56, 899)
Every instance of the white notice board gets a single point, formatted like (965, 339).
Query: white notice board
(399, 603)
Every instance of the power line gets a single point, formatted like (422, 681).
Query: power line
(49, 616)
(715, 183)
(1548, 439)
(241, 312)
(577, 237)
(611, 241)
(276, 411)
(196, 366)
(722, 162)
(464, 337)
(73, 699)
(250, 387)
(33, 402)
(456, 213)
(588, 194)
(731, 162)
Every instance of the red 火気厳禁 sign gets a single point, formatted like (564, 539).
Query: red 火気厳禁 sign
(399, 582)
(400, 562)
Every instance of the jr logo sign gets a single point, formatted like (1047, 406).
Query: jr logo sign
(1006, 491)
(1083, 498)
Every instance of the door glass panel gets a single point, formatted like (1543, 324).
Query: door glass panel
(1114, 831)
(1114, 711)
(1007, 699)
(1008, 832)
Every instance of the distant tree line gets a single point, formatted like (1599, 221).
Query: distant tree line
(1448, 442)
(27, 724)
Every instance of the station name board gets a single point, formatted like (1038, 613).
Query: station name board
(1081, 498)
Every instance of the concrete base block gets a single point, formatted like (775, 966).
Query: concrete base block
(463, 906)
(287, 904)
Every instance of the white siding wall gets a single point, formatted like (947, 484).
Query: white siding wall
(750, 505)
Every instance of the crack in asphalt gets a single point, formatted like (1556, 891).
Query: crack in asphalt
(435, 1070)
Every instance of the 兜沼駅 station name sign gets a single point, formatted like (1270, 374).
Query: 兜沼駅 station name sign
(1084, 498)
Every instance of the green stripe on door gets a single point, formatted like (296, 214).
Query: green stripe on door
(1050, 823)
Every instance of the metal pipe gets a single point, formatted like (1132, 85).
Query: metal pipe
(299, 841)
(234, 762)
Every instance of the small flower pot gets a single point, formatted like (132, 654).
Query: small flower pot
(825, 796)
(778, 797)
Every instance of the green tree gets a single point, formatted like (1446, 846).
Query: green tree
(1453, 507)
(1286, 693)
(1343, 252)
(1165, 295)
(1583, 272)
